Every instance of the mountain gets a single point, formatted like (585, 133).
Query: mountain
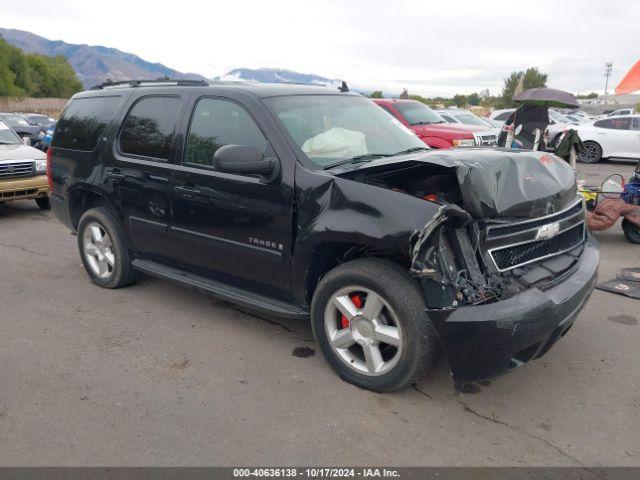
(94, 64)
(274, 75)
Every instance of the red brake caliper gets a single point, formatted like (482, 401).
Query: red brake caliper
(357, 301)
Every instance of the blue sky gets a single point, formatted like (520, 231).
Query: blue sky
(431, 48)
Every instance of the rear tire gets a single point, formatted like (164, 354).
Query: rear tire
(631, 232)
(43, 203)
(592, 153)
(103, 250)
(388, 341)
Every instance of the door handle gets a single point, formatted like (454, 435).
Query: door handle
(187, 191)
(115, 174)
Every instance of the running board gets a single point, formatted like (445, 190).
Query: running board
(246, 298)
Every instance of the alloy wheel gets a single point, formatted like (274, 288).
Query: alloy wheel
(98, 250)
(363, 330)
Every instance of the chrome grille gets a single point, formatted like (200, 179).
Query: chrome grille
(516, 244)
(511, 228)
(486, 140)
(517, 255)
(16, 169)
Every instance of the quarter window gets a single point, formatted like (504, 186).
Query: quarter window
(217, 123)
(83, 121)
(149, 127)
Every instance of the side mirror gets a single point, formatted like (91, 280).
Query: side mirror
(26, 140)
(244, 160)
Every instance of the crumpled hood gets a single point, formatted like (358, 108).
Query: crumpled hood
(18, 152)
(499, 182)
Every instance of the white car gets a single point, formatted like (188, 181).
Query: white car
(609, 137)
(621, 111)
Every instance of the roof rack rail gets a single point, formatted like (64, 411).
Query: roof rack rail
(143, 82)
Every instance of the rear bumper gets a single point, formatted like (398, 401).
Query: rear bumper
(24, 188)
(486, 341)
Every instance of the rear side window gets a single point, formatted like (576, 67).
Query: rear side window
(149, 127)
(614, 123)
(83, 122)
(216, 123)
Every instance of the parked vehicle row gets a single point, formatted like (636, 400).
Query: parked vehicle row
(309, 203)
(433, 129)
(34, 129)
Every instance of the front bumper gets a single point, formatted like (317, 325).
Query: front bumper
(24, 188)
(485, 341)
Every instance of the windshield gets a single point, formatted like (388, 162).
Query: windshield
(14, 120)
(417, 113)
(471, 119)
(558, 117)
(8, 136)
(330, 129)
(39, 120)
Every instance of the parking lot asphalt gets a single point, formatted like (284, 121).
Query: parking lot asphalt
(158, 374)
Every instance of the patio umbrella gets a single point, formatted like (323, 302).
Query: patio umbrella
(548, 97)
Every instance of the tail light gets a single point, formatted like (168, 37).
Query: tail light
(49, 176)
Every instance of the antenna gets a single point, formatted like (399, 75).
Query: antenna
(607, 73)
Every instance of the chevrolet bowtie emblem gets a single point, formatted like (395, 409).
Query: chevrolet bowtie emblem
(548, 231)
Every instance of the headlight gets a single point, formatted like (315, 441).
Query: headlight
(464, 142)
(41, 165)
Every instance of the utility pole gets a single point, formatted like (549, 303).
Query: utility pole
(607, 74)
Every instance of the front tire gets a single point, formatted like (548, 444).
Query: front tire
(43, 203)
(369, 318)
(631, 232)
(103, 250)
(591, 153)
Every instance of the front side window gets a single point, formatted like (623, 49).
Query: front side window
(149, 127)
(216, 123)
(334, 128)
(448, 118)
(83, 121)
(614, 123)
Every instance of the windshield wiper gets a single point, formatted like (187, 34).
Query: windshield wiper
(7, 143)
(357, 159)
(411, 150)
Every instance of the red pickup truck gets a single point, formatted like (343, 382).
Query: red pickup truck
(432, 128)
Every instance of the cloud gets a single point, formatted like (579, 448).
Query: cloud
(432, 48)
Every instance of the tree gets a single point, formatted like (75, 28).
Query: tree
(533, 78)
(35, 75)
(460, 100)
(376, 94)
(473, 99)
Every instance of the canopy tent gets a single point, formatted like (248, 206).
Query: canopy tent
(631, 81)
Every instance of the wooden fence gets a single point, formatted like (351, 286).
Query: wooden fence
(50, 106)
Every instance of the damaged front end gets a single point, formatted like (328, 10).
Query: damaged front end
(506, 264)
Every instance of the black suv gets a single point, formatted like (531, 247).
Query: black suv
(305, 202)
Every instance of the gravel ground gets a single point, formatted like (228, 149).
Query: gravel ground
(158, 374)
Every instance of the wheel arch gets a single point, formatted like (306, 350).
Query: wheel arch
(326, 256)
(82, 199)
